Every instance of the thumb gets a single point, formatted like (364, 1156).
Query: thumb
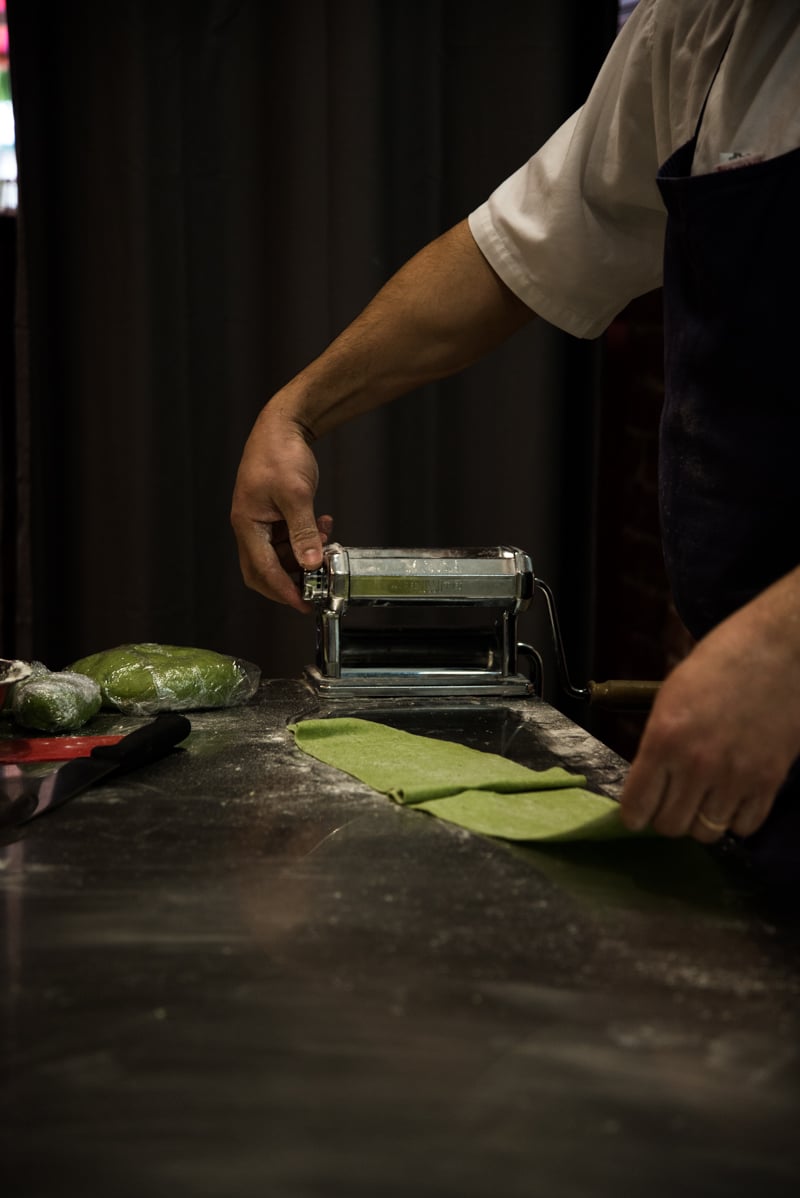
(308, 552)
(304, 537)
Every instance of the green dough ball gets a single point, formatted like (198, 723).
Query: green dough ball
(143, 679)
(54, 702)
(35, 670)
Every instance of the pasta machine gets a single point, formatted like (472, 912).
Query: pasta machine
(402, 622)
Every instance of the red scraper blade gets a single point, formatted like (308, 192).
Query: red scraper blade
(16, 750)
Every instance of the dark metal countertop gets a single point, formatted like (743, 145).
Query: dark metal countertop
(240, 973)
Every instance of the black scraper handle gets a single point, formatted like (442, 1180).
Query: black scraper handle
(138, 748)
(145, 744)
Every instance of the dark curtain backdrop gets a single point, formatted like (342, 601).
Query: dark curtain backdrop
(209, 191)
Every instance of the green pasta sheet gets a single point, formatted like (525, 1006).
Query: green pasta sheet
(482, 792)
(414, 769)
(557, 815)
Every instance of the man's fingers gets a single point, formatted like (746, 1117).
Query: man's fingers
(674, 806)
(740, 816)
(642, 795)
(263, 570)
(269, 564)
(669, 801)
(694, 809)
(712, 819)
(751, 815)
(325, 526)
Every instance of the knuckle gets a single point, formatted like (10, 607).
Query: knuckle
(750, 818)
(252, 581)
(666, 734)
(766, 779)
(668, 825)
(296, 491)
(700, 760)
(304, 535)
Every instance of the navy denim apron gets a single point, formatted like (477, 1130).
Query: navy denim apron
(729, 469)
(730, 429)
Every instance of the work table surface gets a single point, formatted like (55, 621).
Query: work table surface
(240, 972)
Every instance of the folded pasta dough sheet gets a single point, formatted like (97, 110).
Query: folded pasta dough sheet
(480, 791)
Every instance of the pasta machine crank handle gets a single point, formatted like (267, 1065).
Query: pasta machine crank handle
(616, 694)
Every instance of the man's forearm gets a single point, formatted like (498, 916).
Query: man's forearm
(442, 311)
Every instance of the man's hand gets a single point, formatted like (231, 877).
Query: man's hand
(273, 509)
(725, 727)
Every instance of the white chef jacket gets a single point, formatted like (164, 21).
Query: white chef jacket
(578, 231)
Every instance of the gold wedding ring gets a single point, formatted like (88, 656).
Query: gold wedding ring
(712, 824)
